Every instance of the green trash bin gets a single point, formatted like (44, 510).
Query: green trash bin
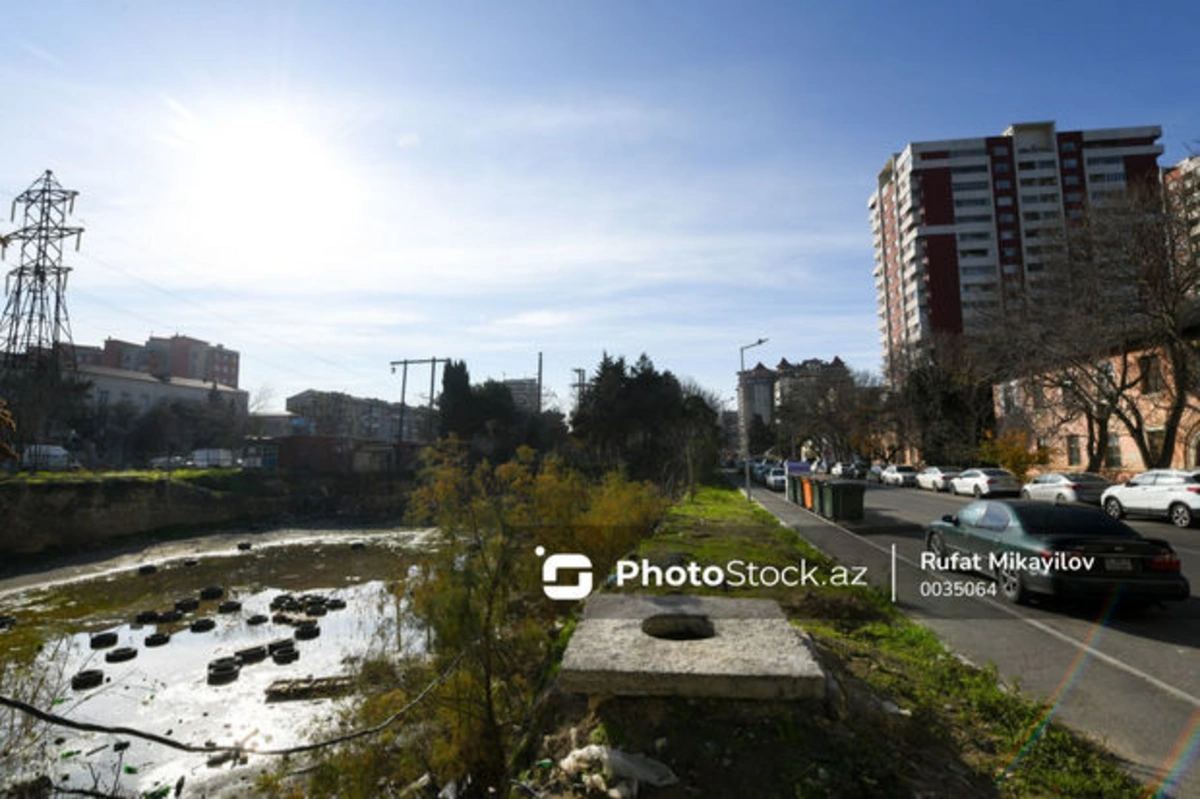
(825, 501)
(846, 500)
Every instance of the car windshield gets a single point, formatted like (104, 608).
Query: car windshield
(905, 469)
(996, 473)
(1085, 477)
(1046, 520)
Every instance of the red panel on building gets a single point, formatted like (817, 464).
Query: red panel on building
(1141, 172)
(937, 196)
(945, 302)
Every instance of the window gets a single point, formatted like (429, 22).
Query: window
(966, 170)
(971, 185)
(1003, 184)
(1007, 235)
(1070, 163)
(1071, 180)
(103, 398)
(1000, 151)
(1068, 147)
(1004, 201)
(1074, 458)
(1112, 456)
(1007, 218)
(968, 203)
(1155, 440)
(1073, 197)
(1151, 371)
(1001, 168)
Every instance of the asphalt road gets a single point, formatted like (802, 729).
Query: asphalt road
(1130, 679)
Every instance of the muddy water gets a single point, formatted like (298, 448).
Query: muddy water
(166, 689)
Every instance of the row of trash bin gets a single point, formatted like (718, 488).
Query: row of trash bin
(834, 499)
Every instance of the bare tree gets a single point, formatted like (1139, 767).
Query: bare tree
(1105, 332)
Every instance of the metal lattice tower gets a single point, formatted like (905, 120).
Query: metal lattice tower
(35, 325)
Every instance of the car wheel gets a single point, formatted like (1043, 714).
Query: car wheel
(1061, 499)
(936, 544)
(1025, 494)
(1112, 507)
(978, 492)
(1181, 515)
(1011, 586)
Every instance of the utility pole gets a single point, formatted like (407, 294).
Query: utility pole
(35, 322)
(580, 383)
(433, 362)
(35, 330)
(539, 386)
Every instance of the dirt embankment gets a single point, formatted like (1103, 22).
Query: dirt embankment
(64, 515)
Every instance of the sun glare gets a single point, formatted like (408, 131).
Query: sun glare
(261, 190)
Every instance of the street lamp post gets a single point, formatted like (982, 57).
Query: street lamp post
(745, 414)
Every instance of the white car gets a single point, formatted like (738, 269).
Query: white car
(1060, 487)
(986, 483)
(776, 478)
(895, 475)
(1168, 493)
(937, 478)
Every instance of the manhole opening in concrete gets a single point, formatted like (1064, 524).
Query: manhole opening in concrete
(679, 627)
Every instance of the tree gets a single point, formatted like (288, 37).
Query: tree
(7, 427)
(643, 421)
(946, 399)
(1108, 332)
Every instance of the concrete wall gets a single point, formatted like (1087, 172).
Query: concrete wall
(66, 516)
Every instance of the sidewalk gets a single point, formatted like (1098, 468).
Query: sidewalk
(840, 543)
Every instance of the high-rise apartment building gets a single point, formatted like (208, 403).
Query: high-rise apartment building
(959, 223)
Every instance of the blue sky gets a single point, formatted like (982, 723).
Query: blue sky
(327, 187)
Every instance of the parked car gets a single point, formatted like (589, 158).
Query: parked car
(776, 478)
(1075, 550)
(986, 483)
(1168, 493)
(875, 473)
(937, 478)
(1066, 487)
(899, 475)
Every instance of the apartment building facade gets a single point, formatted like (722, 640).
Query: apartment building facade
(174, 357)
(958, 224)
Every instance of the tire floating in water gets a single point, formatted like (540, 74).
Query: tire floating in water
(315, 609)
(257, 619)
(7, 622)
(252, 654)
(244, 546)
(202, 625)
(187, 604)
(169, 617)
(212, 592)
(284, 656)
(223, 670)
(121, 654)
(307, 631)
(147, 617)
(103, 640)
(191, 562)
(86, 679)
(147, 568)
(336, 603)
(229, 606)
(157, 639)
(282, 643)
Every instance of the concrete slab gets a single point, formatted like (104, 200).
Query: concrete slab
(692, 646)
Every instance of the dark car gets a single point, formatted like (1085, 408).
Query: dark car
(1060, 550)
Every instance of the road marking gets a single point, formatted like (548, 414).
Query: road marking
(1121, 665)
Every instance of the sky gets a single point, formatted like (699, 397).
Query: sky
(330, 187)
